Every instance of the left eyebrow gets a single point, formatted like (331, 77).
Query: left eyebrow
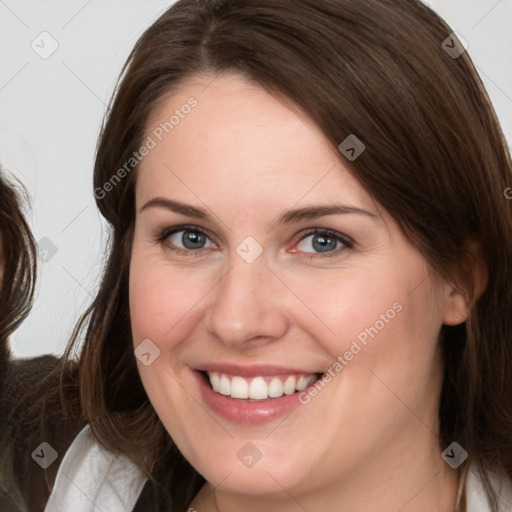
(315, 212)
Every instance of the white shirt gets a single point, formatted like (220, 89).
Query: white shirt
(476, 498)
(92, 479)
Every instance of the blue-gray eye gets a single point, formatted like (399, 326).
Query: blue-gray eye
(321, 242)
(188, 238)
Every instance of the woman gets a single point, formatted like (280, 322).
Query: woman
(306, 304)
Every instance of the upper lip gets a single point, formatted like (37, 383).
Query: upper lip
(253, 370)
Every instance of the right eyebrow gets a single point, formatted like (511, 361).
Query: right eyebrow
(175, 206)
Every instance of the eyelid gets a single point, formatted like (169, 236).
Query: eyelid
(330, 232)
(346, 241)
(188, 227)
(166, 232)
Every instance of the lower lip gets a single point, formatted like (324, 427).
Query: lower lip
(243, 411)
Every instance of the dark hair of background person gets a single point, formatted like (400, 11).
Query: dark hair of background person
(18, 271)
(30, 389)
(435, 159)
(18, 252)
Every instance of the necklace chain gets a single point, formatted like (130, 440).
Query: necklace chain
(215, 501)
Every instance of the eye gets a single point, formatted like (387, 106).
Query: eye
(192, 240)
(186, 239)
(320, 242)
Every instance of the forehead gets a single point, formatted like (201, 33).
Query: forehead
(226, 135)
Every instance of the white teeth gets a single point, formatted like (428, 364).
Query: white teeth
(289, 385)
(239, 388)
(258, 388)
(224, 386)
(215, 380)
(275, 388)
(302, 383)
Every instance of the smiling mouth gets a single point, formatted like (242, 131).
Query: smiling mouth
(259, 388)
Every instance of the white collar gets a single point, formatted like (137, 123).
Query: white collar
(476, 497)
(92, 479)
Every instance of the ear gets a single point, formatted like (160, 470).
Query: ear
(456, 307)
(458, 302)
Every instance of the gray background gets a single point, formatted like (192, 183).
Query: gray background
(51, 109)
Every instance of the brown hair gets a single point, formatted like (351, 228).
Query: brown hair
(435, 159)
(18, 276)
(18, 261)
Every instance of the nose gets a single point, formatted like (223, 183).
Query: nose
(248, 305)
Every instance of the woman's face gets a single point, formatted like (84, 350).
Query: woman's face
(259, 262)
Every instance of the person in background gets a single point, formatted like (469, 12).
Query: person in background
(30, 407)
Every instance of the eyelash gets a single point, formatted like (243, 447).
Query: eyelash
(347, 242)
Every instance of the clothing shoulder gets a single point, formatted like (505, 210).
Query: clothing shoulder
(476, 494)
(34, 431)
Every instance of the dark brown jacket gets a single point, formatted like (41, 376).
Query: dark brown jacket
(30, 414)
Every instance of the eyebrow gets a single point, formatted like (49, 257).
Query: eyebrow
(288, 217)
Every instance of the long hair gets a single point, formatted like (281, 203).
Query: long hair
(435, 159)
(18, 263)
(18, 271)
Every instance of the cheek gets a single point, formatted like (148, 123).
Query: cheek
(390, 351)
(388, 315)
(348, 304)
(161, 298)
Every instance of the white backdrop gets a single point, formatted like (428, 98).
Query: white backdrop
(59, 62)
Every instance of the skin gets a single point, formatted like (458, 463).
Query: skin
(368, 441)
